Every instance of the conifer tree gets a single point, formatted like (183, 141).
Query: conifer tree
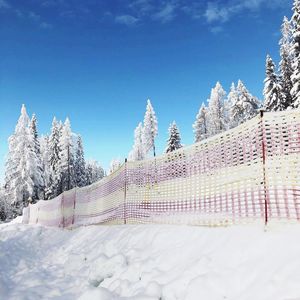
(44, 145)
(150, 129)
(285, 65)
(295, 91)
(94, 172)
(137, 152)
(216, 107)
(19, 175)
(54, 161)
(38, 170)
(272, 89)
(174, 138)
(66, 158)
(80, 164)
(201, 124)
(115, 164)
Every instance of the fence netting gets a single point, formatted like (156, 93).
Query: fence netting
(248, 173)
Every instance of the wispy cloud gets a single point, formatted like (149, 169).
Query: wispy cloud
(217, 12)
(126, 19)
(216, 29)
(4, 4)
(166, 13)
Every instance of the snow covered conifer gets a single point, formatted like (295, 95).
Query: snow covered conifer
(54, 161)
(44, 146)
(272, 90)
(236, 111)
(19, 184)
(216, 107)
(38, 170)
(295, 91)
(150, 129)
(285, 65)
(115, 164)
(248, 103)
(94, 172)
(174, 138)
(137, 152)
(66, 158)
(201, 124)
(80, 164)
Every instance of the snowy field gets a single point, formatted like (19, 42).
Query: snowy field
(148, 262)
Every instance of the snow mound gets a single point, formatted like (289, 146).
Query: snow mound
(150, 262)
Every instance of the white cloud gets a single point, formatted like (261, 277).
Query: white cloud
(216, 29)
(166, 14)
(4, 4)
(126, 19)
(215, 12)
(46, 25)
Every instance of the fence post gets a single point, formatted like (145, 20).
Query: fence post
(264, 165)
(125, 190)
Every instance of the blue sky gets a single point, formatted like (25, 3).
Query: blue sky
(97, 62)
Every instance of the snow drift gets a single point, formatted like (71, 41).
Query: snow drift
(150, 262)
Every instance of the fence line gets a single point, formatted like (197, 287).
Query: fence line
(248, 173)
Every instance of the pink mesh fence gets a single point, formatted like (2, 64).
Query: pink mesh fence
(251, 172)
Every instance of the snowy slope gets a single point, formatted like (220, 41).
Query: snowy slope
(150, 262)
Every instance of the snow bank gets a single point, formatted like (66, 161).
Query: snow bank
(147, 262)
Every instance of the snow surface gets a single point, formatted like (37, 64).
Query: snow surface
(145, 262)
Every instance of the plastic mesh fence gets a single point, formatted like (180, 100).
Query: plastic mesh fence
(251, 172)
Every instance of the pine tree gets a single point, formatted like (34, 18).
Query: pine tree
(174, 138)
(150, 129)
(216, 107)
(19, 175)
(115, 164)
(94, 172)
(285, 65)
(44, 145)
(38, 170)
(236, 111)
(137, 152)
(295, 91)
(201, 124)
(272, 90)
(66, 158)
(54, 161)
(248, 103)
(80, 164)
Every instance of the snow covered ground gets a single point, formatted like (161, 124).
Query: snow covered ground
(148, 262)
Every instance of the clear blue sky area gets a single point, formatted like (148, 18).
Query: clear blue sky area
(97, 62)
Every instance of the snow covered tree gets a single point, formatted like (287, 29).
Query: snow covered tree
(80, 164)
(174, 138)
(217, 122)
(20, 165)
(244, 106)
(137, 152)
(285, 65)
(54, 188)
(4, 206)
(235, 109)
(44, 145)
(295, 91)
(150, 129)
(38, 170)
(115, 164)
(201, 124)
(66, 158)
(94, 172)
(272, 89)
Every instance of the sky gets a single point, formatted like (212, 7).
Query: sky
(97, 62)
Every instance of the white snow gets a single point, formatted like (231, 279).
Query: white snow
(145, 262)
